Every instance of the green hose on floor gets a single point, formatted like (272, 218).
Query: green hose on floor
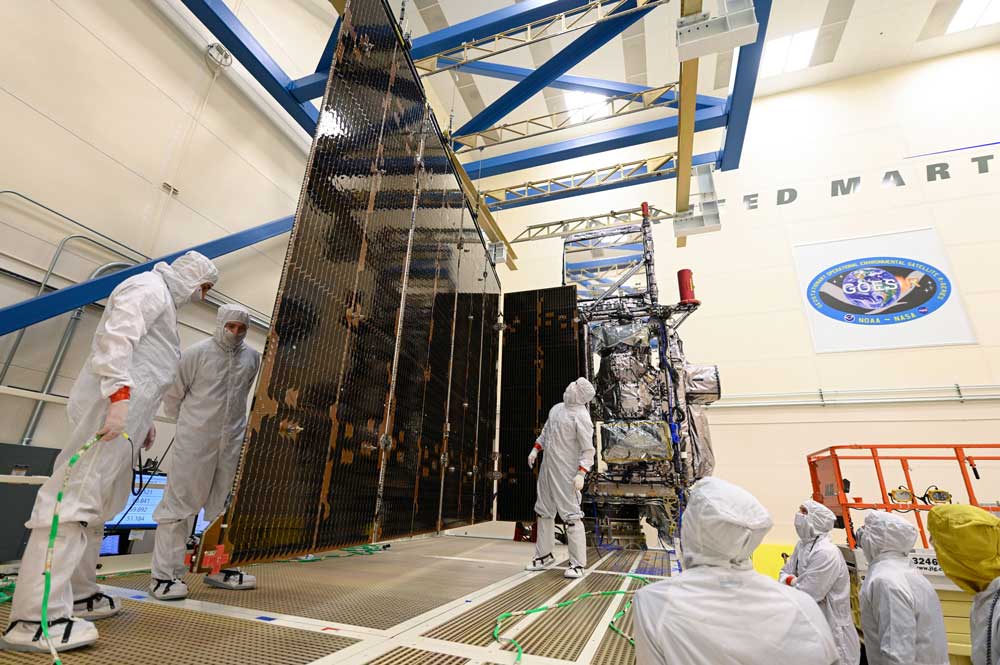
(53, 532)
(566, 603)
(6, 592)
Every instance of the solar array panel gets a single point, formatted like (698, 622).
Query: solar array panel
(543, 351)
(373, 416)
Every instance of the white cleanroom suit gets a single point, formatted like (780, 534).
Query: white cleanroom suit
(817, 568)
(209, 400)
(135, 352)
(567, 438)
(719, 610)
(900, 612)
(966, 541)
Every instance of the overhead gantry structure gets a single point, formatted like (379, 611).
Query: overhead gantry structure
(466, 47)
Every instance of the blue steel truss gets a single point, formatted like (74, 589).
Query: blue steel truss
(296, 96)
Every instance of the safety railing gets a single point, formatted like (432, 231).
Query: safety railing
(832, 489)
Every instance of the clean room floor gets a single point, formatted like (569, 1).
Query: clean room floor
(423, 601)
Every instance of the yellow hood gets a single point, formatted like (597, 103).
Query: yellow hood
(967, 542)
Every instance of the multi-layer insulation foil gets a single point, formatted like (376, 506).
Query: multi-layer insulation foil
(374, 412)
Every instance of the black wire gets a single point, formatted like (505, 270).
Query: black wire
(142, 487)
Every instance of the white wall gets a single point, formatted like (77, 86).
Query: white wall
(103, 101)
(752, 322)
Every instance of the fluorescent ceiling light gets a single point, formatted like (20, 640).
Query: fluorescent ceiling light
(974, 14)
(789, 53)
(991, 15)
(801, 50)
(585, 105)
(772, 62)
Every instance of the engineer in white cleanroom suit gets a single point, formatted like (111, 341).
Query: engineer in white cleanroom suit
(900, 611)
(568, 441)
(719, 610)
(209, 401)
(966, 540)
(132, 362)
(817, 568)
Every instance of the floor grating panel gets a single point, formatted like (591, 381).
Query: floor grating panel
(406, 656)
(476, 626)
(654, 562)
(378, 591)
(615, 649)
(151, 633)
(620, 561)
(563, 633)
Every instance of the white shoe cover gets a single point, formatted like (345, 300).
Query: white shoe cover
(98, 606)
(27, 636)
(174, 589)
(541, 563)
(574, 572)
(233, 579)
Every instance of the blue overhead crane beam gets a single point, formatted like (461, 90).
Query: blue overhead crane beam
(640, 176)
(574, 83)
(490, 24)
(581, 47)
(232, 34)
(34, 310)
(646, 132)
(744, 85)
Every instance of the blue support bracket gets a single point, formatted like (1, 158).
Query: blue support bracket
(232, 34)
(34, 310)
(326, 59)
(563, 190)
(577, 51)
(489, 24)
(654, 130)
(744, 85)
(574, 83)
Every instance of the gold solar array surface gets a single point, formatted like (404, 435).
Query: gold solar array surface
(563, 633)
(378, 591)
(151, 633)
(476, 626)
(405, 656)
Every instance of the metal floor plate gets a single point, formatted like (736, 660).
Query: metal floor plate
(620, 561)
(476, 626)
(615, 649)
(378, 591)
(405, 656)
(654, 562)
(563, 633)
(152, 633)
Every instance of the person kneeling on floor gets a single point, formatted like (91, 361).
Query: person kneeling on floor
(568, 441)
(209, 400)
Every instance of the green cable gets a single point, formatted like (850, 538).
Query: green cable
(566, 603)
(53, 532)
(6, 592)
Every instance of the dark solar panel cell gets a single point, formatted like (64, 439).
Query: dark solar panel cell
(366, 348)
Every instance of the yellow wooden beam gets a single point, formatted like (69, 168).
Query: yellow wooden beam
(483, 213)
(687, 92)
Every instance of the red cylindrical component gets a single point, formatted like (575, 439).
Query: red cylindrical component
(645, 209)
(685, 285)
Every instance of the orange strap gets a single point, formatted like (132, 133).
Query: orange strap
(121, 394)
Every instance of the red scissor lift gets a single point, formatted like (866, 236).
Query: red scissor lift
(828, 478)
